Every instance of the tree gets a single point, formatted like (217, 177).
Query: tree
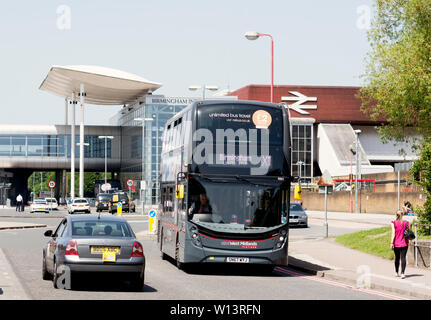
(397, 86)
(397, 80)
(421, 172)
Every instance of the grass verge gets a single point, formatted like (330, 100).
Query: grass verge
(374, 241)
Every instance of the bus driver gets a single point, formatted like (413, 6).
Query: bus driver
(202, 207)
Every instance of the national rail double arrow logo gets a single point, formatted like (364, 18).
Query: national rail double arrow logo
(300, 99)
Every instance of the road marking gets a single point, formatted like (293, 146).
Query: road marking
(337, 284)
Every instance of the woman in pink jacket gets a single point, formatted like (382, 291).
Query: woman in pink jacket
(398, 243)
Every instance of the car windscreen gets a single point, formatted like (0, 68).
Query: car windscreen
(104, 197)
(51, 200)
(295, 207)
(80, 201)
(98, 228)
(39, 201)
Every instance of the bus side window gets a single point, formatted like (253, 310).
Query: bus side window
(180, 132)
(171, 199)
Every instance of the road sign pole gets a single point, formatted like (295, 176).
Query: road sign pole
(325, 225)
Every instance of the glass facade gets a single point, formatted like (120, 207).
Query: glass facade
(160, 109)
(302, 151)
(50, 146)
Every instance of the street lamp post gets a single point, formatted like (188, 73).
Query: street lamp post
(253, 35)
(106, 154)
(357, 132)
(143, 120)
(300, 163)
(203, 87)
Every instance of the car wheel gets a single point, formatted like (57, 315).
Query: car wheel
(45, 274)
(137, 282)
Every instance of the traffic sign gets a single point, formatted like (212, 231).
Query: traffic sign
(51, 184)
(130, 182)
(119, 204)
(152, 214)
(106, 187)
(152, 221)
(119, 208)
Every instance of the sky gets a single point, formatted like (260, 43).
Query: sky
(176, 43)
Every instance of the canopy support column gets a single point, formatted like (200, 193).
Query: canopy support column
(81, 142)
(66, 115)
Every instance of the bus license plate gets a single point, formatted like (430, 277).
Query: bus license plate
(237, 260)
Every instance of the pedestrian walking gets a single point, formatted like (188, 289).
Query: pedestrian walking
(18, 203)
(407, 207)
(399, 244)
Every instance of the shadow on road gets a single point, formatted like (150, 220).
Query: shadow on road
(105, 284)
(413, 275)
(228, 269)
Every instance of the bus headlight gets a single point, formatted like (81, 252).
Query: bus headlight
(195, 236)
(282, 236)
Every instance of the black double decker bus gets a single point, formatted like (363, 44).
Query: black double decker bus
(225, 184)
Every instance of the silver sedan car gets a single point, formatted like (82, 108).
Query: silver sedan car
(297, 215)
(92, 244)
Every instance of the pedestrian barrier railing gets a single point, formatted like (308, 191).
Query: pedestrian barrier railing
(415, 226)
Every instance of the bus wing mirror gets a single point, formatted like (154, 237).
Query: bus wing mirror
(180, 191)
(181, 177)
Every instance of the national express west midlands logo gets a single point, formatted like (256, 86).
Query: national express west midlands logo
(300, 99)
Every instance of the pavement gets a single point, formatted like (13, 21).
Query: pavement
(328, 259)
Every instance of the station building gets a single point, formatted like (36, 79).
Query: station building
(324, 120)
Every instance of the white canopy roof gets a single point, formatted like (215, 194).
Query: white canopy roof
(102, 85)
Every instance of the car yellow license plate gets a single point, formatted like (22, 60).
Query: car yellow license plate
(102, 249)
